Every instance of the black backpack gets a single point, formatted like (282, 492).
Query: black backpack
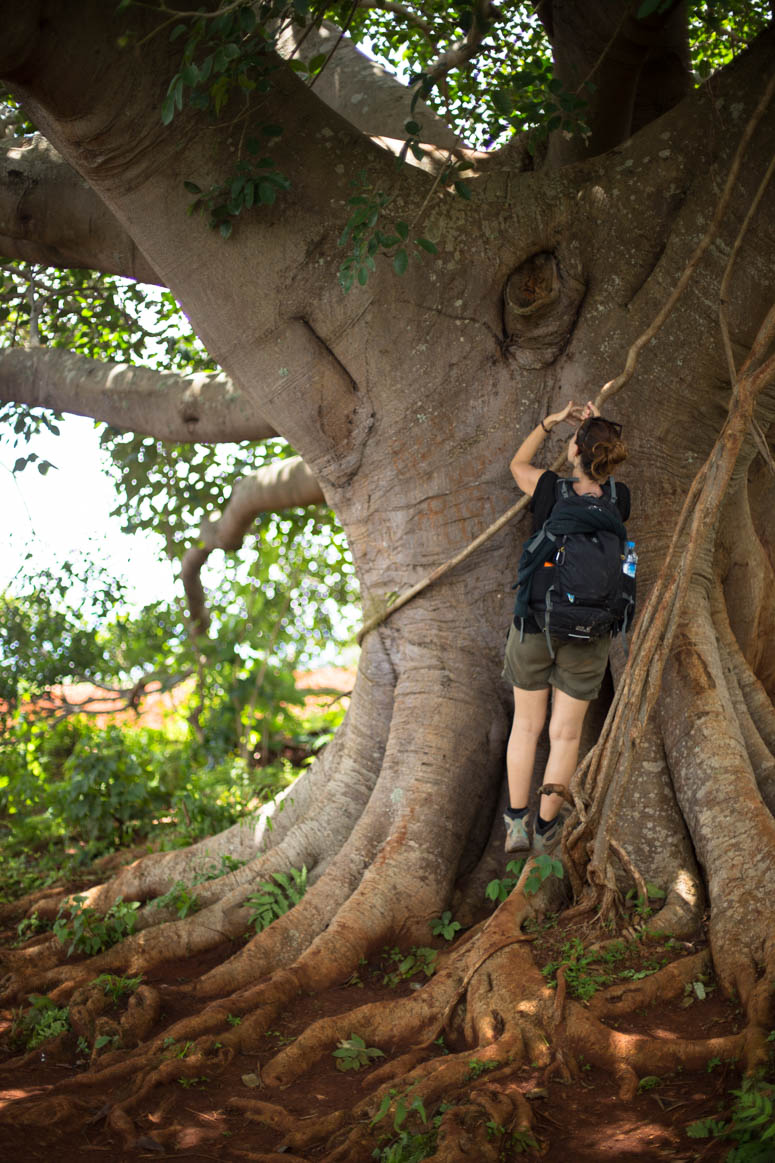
(573, 568)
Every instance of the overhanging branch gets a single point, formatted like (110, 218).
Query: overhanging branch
(202, 407)
(282, 485)
(50, 215)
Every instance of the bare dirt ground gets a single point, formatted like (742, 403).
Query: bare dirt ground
(581, 1122)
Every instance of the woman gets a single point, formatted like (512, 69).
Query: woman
(575, 669)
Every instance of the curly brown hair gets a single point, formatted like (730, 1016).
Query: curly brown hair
(600, 446)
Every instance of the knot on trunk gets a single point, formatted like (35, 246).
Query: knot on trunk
(540, 304)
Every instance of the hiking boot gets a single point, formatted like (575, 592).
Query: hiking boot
(517, 839)
(548, 840)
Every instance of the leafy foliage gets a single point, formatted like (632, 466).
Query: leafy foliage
(108, 790)
(352, 1053)
(90, 932)
(588, 970)
(48, 628)
(116, 987)
(751, 1126)
(543, 867)
(409, 1146)
(276, 897)
(502, 887)
(419, 959)
(41, 1022)
(445, 927)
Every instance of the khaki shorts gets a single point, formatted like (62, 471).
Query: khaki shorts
(577, 668)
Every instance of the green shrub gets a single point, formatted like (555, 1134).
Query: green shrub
(43, 1020)
(751, 1128)
(89, 931)
(276, 896)
(110, 788)
(212, 799)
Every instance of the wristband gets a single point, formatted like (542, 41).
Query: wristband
(546, 430)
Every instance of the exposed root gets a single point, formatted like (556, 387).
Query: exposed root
(664, 985)
(631, 1056)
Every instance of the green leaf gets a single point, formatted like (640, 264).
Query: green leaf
(225, 229)
(401, 261)
(402, 228)
(503, 102)
(463, 189)
(192, 187)
(426, 244)
(646, 9)
(412, 127)
(384, 1107)
(168, 109)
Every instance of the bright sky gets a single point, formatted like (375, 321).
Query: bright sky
(68, 511)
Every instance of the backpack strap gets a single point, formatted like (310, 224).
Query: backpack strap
(612, 484)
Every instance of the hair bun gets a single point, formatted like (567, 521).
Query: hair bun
(601, 447)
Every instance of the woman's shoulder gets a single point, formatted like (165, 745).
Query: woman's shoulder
(544, 490)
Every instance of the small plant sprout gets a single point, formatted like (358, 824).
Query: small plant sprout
(276, 897)
(352, 1053)
(498, 889)
(90, 932)
(445, 927)
(419, 959)
(106, 1041)
(42, 1021)
(29, 927)
(117, 987)
(649, 1082)
(476, 1067)
(543, 867)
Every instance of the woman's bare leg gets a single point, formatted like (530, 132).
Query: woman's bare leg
(529, 718)
(564, 737)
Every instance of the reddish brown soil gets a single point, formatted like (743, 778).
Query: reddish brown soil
(582, 1122)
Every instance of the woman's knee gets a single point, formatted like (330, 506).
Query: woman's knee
(567, 718)
(526, 726)
(564, 732)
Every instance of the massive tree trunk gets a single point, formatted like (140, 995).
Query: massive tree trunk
(406, 400)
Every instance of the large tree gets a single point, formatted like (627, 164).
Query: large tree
(405, 398)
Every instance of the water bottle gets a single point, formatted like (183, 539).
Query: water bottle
(630, 563)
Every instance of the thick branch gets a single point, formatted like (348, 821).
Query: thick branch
(638, 68)
(281, 485)
(360, 90)
(201, 407)
(49, 214)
